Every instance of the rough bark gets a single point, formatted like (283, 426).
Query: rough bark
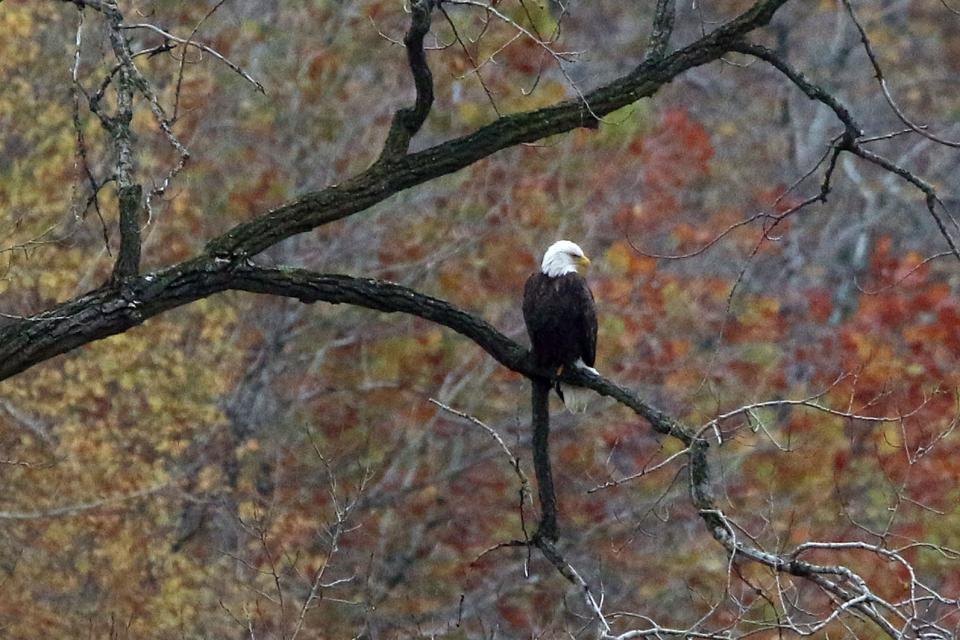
(115, 308)
(540, 402)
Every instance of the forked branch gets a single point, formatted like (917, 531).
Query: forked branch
(852, 140)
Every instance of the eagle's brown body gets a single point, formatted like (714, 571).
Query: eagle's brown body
(561, 319)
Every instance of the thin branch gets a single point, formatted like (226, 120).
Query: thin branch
(565, 569)
(82, 507)
(811, 90)
(473, 61)
(561, 57)
(878, 73)
(930, 194)
(514, 460)
(901, 279)
(189, 42)
(183, 59)
(81, 153)
(341, 513)
(524, 492)
(851, 139)
(643, 472)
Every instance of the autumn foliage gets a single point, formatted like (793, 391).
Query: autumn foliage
(208, 473)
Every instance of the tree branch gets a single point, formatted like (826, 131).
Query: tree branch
(811, 90)
(663, 19)
(128, 191)
(74, 509)
(406, 122)
(111, 310)
(540, 403)
(128, 259)
(852, 139)
(392, 175)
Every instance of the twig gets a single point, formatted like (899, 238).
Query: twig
(183, 59)
(641, 473)
(514, 461)
(878, 74)
(473, 61)
(74, 509)
(188, 42)
(561, 57)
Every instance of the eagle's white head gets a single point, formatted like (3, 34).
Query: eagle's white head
(563, 257)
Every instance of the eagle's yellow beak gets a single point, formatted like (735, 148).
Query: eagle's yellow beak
(584, 261)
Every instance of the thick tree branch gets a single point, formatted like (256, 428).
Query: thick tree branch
(392, 175)
(540, 403)
(663, 18)
(128, 259)
(406, 122)
(128, 191)
(113, 310)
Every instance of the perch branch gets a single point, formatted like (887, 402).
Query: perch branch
(540, 402)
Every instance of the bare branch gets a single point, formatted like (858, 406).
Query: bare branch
(183, 61)
(81, 154)
(663, 19)
(514, 460)
(643, 472)
(561, 57)
(565, 569)
(851, 138)
(473, 61)
(75, 509)
(189, 42)
(540, 402)
(812, 91)
(341, 513)
(407, 122)
(931, 197)
(128, 191)
(878, 72)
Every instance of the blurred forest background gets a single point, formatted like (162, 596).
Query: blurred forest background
(251, 466)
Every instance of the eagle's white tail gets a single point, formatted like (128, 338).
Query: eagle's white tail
(576, 399)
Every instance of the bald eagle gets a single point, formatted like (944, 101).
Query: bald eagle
(561, 317)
